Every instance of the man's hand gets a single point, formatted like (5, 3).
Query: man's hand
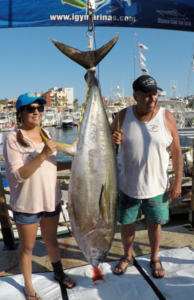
(117, 137)
(174, 191)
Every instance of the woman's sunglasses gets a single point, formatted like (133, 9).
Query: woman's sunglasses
(31, 109)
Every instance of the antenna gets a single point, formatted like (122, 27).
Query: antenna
(174, 88)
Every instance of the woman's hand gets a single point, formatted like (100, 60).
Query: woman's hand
(49, 148)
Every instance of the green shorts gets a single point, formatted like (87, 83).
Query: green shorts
(154, 209)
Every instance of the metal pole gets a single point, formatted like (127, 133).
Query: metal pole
(134, 52)
(191, 64)
(6, 228)
(191, 215)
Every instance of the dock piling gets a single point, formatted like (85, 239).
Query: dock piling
(6, 227)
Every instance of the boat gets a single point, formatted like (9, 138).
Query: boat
(176, 107)
(66, 118)
(115, 103)
(49, 117)
(76, 114)
(8, 127)
(182, 203)
(4, 119)
(7, 121)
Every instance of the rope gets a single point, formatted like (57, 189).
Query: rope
(5, 271)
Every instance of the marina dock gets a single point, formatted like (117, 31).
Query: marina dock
(177, 240)
(172, 237)
(135, 285)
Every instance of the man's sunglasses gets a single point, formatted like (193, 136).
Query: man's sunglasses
(31, 109)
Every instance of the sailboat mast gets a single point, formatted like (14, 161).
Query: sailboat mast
(191, 66)
(134, 53)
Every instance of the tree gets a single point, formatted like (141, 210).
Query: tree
(3, 101)
(75, 102)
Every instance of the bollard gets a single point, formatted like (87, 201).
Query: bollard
(6, 228)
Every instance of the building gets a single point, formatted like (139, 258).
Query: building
(9, 106)
(58, 97)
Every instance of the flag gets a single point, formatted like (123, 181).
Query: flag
(144, 71)
(141, 56)
(142, 47)
(142, 63)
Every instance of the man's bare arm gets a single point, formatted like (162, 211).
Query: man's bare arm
(176, 154)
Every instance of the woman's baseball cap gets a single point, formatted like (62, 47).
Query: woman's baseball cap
(28, 98)
(145, 84)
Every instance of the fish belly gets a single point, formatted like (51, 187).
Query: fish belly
(93, 187)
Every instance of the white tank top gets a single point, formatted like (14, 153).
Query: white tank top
(144, 156)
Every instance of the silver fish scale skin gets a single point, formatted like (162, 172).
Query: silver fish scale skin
(93, 187)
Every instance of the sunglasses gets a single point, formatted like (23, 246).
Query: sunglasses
(31, 109)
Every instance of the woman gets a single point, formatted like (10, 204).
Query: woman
(35, 196)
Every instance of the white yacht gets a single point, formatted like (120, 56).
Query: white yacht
(49, 117)
(7, 121)
(4, 119)
(66, 118)
(176, 107)
(76, 114)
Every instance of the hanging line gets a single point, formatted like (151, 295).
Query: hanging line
(91, 28)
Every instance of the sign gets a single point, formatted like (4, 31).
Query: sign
(161, 14)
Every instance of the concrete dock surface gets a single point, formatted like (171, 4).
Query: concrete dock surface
(176, 236)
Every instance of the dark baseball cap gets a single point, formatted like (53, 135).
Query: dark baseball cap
(145, 84)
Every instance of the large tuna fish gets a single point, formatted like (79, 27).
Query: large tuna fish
(93, 186)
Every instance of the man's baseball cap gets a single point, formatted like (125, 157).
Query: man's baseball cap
(145, 84)
(28, 98)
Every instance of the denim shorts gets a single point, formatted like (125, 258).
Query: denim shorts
(154, 209)
(24, 218)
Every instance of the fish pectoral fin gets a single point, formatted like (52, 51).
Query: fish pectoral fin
(42, 135)
(65, 148)
(103, 204)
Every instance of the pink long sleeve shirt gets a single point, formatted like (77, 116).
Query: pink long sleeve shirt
(41, 191)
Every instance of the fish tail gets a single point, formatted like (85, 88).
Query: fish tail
(89, 59)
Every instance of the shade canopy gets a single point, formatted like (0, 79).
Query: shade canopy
(160, 14)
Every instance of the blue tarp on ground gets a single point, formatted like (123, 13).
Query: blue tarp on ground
(161, 14)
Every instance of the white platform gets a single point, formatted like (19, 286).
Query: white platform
(178, 283)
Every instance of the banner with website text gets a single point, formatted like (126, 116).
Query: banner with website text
(161, 14)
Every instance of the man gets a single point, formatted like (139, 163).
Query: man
(147, 133)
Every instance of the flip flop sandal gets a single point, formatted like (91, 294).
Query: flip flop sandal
(123, 270)
(30, 296)
(64, 279)
(158, 269)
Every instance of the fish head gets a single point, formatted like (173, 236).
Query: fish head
(97, 245)
(95, 261)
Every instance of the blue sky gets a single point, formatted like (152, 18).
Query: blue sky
(29, 62)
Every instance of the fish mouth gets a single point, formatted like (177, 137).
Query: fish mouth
(95, 261)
